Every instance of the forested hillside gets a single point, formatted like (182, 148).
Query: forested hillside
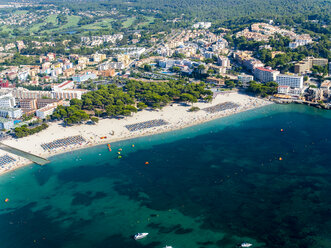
(225, 9)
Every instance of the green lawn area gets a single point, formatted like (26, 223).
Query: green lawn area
(35, 27)
(128, 22)
(105, 23)
(6, 28)
(150, 20)
(72, 23)
(52, 19)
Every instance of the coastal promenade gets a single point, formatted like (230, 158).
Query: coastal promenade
(146, 122)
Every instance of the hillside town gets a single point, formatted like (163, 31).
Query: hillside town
(34, 91)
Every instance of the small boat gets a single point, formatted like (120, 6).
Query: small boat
(246, 245)
(140, 236)
(168, 246)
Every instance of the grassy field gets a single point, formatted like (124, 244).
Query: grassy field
(6, 28)
(105, 23)
(128, 22)
(35, 27)
(51, 19)
(72, 23)
(150, 19)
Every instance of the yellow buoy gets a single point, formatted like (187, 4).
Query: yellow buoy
(280, 158)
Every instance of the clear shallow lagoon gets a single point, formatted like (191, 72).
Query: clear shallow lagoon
(213, 185)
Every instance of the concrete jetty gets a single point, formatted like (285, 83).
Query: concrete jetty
(34, 158)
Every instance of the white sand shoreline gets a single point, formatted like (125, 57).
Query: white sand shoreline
(177, 116)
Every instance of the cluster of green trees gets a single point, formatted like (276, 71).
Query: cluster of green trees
(321, 48)
(70, 115)
(230, 84)
(115, 101)
(223, 10)
(280, 61)
(62, 19)
(157, 95)
(194, 109)
(241, 43)
(85, 20)
(262, 89)
(108, 100)
(24, 131)
(317, 69)
(19, 59)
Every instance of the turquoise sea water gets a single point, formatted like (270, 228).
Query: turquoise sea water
(213, 185)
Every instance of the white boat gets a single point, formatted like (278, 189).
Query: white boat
(140, 236)
(246, 245)
(168, 246)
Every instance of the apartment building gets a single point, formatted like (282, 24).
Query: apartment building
(245, 79)
(265, 75)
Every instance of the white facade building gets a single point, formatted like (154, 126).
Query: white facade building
(223, 61)
(167, 63)
(7, 101)
(13, 113)
(286, 90)
(68, 94)
(265, 75)
(46, 111)
(6, 124)
(289, 80)
(202, 25)
(245, 79)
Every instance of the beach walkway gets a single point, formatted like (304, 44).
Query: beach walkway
(29, 156)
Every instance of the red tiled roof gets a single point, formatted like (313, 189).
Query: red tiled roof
(64, 83)
(264, 69)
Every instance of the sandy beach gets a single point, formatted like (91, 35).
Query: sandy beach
(176, 116)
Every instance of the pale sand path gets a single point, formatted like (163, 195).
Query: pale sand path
(177, 116)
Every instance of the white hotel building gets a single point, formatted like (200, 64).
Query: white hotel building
(289, 80)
